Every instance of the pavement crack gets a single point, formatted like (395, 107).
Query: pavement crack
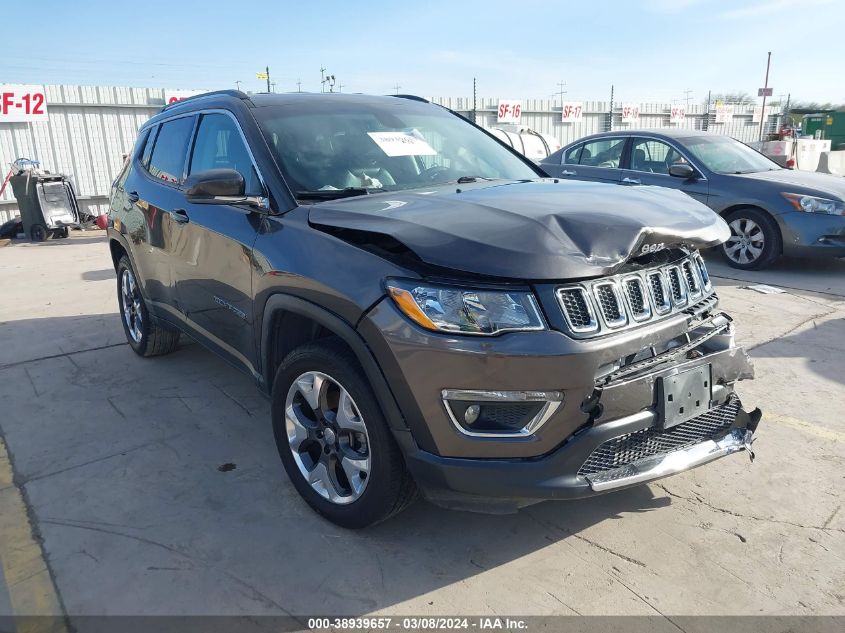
(573, 609)
(31, 382)
(62, 355)
(750, 348)
(734, 513)
(833, 514)
(549, 524)
(98, 459)
(116, 408)
(235, 400)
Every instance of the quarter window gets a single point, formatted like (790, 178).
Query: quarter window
(148, 147)
(171, 147)
(606, 152)
(219, 145)
(654, 157)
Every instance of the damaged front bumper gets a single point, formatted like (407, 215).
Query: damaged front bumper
(615, 427)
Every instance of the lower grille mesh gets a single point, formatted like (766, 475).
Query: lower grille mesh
(622, 450)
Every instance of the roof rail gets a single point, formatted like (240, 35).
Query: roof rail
(238, 94)
(411, 97)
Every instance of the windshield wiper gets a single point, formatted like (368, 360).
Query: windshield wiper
(465, 179)
(332, 194)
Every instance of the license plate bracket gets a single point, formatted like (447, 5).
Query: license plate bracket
(684, 395)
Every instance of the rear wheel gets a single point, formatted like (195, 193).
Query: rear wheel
(146, 337)
(755, 240)
(38, 233)
(333, 439)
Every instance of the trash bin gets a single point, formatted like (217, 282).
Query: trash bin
(47, 204)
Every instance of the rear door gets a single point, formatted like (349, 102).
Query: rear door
(648, 164)
(154, 190)
(214, 262)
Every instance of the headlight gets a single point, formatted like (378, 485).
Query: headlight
(464, 311)
(812, 204)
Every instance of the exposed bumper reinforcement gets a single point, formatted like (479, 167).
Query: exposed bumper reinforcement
(658, 466)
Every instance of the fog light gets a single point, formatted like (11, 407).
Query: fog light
(500, 413)
(471, 414)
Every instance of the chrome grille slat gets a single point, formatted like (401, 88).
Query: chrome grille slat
(610, 304)
(592, 308)
(577, 310)
(620, 451)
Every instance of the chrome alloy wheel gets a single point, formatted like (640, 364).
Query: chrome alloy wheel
(130, 296)
(746, 242)
(327, 437)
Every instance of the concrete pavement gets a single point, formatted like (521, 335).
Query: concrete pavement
(118, 461)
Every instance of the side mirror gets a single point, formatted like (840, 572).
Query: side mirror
(681, 170)
(213, 184)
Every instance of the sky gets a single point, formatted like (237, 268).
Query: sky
(649, 50)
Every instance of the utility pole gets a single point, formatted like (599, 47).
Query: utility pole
(267, 70)
(397, 87)
(765, 90)
(474, 97)
(687, 94)
(706, 125)
(340, 87)
(322, 79)
(238, 85)
(561, 85)
(274, 86)
(299, 85)
(610, 112)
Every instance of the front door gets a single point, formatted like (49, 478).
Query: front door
(214, 265)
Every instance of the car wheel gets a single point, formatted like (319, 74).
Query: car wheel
(755, 240)
(146, 337)
(38, 233)
(333, 438)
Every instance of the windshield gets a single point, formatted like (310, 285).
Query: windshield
(725, 155)
(347, 146)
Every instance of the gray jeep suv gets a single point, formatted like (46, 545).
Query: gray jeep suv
(425, 309)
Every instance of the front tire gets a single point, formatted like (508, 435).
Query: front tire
(333, 439)
(755, 240)
(145, 337)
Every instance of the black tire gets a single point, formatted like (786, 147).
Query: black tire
(389, 487)
(152, 339)
(768, 234)
(38, 233)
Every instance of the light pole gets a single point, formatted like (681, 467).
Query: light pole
(238, 84)
(765, 90)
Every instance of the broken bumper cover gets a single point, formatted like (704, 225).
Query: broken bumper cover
(500, 485)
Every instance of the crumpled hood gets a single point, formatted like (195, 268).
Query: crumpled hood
(530, 230)
(824, 185)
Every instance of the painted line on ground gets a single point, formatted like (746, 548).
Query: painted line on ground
(24, 569)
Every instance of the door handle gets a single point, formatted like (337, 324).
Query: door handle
(133, 197)
(632, 181)
(566, 172)
(180, 216)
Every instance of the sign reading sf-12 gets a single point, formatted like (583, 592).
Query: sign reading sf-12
(22, 103)
(572, 112)
(509, 112)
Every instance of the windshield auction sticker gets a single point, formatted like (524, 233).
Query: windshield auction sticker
(401, 144)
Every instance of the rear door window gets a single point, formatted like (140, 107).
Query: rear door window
(605, 152)
(167, 162)
(219, 145)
